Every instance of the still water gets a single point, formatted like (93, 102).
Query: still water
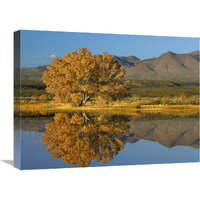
(85, 139)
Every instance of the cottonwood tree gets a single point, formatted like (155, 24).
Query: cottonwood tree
(78, 139)
(80, 76)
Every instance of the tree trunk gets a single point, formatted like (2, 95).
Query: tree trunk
(85, 118)
(85, 99)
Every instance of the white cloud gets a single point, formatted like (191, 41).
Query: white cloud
(52, 56)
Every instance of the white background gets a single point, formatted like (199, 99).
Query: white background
(144, 17)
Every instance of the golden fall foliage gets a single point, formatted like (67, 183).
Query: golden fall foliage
(43, 97)
(78, 139)
(80, 76)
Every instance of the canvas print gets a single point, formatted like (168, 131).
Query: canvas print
(89, 99)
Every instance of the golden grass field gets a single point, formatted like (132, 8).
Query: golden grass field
(182, 100)
(129, 109)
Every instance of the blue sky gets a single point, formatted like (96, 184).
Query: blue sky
(39, 47)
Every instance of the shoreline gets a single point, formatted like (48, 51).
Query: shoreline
(115, 109)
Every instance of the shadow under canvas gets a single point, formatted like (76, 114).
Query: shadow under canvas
(10, 162)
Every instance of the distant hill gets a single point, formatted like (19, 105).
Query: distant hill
(195, 54)
(169, 66)
(33, 73)
(128, 61)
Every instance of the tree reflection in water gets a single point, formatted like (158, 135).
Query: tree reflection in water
(79, 138)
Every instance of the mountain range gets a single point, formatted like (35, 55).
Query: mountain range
(168, 66)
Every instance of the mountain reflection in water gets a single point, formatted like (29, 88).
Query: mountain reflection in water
(81, 138)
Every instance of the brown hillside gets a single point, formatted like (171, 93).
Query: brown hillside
(128, 61)
(168, 66)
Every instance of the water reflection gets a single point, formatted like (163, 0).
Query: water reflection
(168, 132)
(96, 139)
(79, 138)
